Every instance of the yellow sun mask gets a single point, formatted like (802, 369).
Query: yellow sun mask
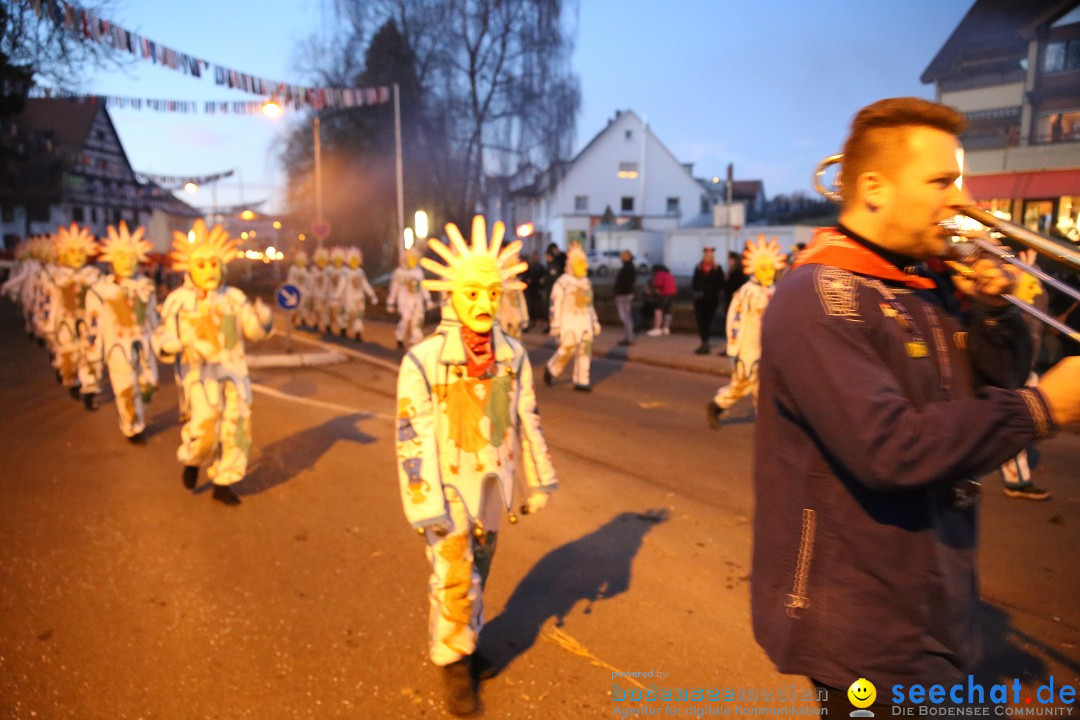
(300, 259)
(74, 245)
(203, 254)
(125, 250)
(762, 258)
(353, 257)
(476, 274)
(321, 258)
(337, 257)
(411, 258)
(579, 264)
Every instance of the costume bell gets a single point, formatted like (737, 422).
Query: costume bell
(121, 315)
(410, 298)
(466, 417)
(762, 259)
(300, 276)
(67, 311)
(208, 321)
(573, 321)
(353, 292)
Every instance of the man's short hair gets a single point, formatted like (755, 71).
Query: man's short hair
(879, 127)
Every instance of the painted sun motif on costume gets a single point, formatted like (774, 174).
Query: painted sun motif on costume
(73, 245)
(762, 259)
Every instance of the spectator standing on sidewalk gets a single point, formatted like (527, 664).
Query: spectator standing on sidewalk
(664, 285)
(624, 295)
(707, 288)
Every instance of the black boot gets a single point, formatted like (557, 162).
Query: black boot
(89, 401)
(703, 349)
(191, 476)
(482, 667)
(138, 438)
(461, 697)
(548, 379)
(224, 494)
(712, 415)
(74, 392)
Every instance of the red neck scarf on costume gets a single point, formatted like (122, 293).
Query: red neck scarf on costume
(831, 247)
(479, 352)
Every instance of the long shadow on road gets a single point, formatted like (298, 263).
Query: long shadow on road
(1008, 652)
(286, 458)
(594, 567)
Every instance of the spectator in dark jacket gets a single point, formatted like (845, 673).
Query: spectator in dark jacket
(624, 295)
(706, 288)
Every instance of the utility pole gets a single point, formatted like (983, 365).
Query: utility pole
(398, 169)
(318, 173)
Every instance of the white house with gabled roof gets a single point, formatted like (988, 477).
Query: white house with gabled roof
(625, 168)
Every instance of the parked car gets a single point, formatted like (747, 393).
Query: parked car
(602, 262)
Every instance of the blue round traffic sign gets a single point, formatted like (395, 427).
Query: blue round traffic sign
(287, 296)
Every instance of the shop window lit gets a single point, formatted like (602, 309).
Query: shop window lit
(1037, 215)
(1068, 217)
(628, 170)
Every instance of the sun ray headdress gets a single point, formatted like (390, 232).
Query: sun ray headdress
(216, 239)
(353, 252)
(120, 240)
(74, 238)
(320, 254)
(762, 248)
(505, 258)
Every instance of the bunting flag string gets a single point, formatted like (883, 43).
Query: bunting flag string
(188, 107)
(86, 24)
(182, 180)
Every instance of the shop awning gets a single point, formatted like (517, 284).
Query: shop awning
(1024, 185)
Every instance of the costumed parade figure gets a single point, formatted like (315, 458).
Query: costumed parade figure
(353, 292)
(466, 414)
(320, 289)
(573, 321)
(513, 314)
(410, 298)
(67, 311)
(334, 299)
(121, 315)
(300, 276)
(762, 259)
(19, 287)
(207, 321)
(42, 292)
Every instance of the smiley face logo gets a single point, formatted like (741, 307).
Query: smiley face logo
(862, 693)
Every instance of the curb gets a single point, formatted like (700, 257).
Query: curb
(296, 359)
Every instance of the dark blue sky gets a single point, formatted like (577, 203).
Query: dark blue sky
(769, 85)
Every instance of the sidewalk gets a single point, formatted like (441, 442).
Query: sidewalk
(675, 351)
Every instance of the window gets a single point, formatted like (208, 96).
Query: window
(1062, 56)
(1037, 215)
(1055, 127)
(1068, 218)
(673, 206)
(581, 203)
(77, 214)
(628, 170)
(628, 135)
(93, 215)
(704, 205)
(627, 204)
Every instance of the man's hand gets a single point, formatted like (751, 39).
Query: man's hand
(596, 329)
(553, 331)
(263, 312)
(1060, 385)
(988, 280)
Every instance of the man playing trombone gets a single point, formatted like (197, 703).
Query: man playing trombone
(878, 409)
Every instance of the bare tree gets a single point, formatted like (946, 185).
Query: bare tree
(42, 43)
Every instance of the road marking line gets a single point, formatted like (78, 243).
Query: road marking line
(318, 403)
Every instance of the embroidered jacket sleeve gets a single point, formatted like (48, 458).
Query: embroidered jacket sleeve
(95, 342)
(736, 312)
(557, 292)
(366, 286)
(392, 293)
(539, 472)
(419, 475)
(166, 338)
(835, 376)
(255, 319)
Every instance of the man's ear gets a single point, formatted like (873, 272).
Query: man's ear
(874, 190)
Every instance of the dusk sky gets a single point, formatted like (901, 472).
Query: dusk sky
(770, 86)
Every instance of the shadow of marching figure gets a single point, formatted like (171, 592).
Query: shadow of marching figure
(1008, 653)
(594, 567)
(284, 459)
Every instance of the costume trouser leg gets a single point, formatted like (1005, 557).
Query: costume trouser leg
(583, 361)
(199, 435)
(410, 327)
(235, 436)
(337, 318)
(89, 372)
(568, 345)
(129, 404)
(460, 563)
(744, 381)
(66, 357)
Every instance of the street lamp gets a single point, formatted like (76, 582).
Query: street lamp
(421, 224)
(410, 238)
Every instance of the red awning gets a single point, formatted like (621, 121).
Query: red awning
(1024, 185)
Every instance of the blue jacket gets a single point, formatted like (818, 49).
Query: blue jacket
(876, 410)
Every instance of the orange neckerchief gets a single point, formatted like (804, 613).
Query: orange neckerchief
(480, 353)
(829, 246)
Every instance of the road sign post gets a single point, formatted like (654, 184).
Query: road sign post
(288, 297)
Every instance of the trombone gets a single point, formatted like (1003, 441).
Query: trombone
(1054, 250)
